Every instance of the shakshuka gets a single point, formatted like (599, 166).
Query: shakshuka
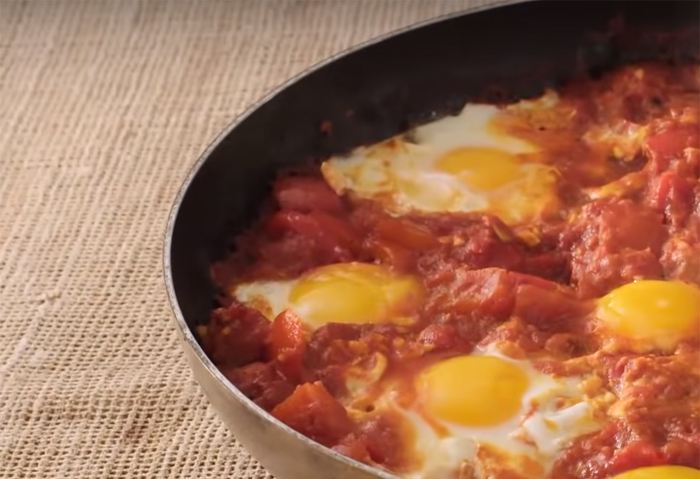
(510, 292)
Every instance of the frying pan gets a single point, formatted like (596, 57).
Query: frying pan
(503, 52)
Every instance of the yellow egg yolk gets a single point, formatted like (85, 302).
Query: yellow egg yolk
(355, 293)
(652, 314)
(485, 169)
(473, 390)
(660, 472)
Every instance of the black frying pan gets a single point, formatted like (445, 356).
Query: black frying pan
(370, 93)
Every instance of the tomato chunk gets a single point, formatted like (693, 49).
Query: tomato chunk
(670, 144)
(441, 337)
(637, 454)
(483, 292)
(236, 335)
(406, 233)
(353, 447)
(287, 344)
(390, 254)
(389, 439)
(261, 382)
(475, 246)
(332, 239)
(672, 195)
(681, 254)
(613, 242)
(304, 194)
(684, 452)
(313, 412)
(550, 308)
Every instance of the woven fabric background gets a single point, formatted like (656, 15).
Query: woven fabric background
(104, 106)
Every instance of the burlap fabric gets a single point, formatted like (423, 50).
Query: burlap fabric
(104, 106)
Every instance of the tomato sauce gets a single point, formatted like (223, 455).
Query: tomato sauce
(627, 150)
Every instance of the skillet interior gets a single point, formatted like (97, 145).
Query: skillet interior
(496, 54)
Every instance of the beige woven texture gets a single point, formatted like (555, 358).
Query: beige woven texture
(104, 107)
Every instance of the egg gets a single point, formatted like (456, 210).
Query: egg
(340, 293)
(485, 399)
(660, 472)
(463, 163)
(488, 413)
(649, 315)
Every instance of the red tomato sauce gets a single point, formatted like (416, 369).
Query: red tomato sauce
(627, 149)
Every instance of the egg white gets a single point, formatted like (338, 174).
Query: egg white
(553, 412)
(402, 176)
(268, 297)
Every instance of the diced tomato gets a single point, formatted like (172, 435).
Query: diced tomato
(684, 452)
(313, 412)
(567, 345)
(517, 332)
(681, 257)
(636, 454)
(660, 187)
(591, 453)
(353, 447)
(287, 344)
(440, 337)
(552, 265)
(669, 144)
(614, 242)
(327, 353)
(688, 166)
(522, 279)
(672, 195)
(236, 335)
(388, 438)
(549, 308)
(483, 248)
(470, 244)
(333, 239)
(260, 382)
(341, 331)
(615, 365)
(285, 257)
(304, 194)
(679, 200)
(484, 292)
(406, 233)
(332, 376)
(390, 254)
(631, 226)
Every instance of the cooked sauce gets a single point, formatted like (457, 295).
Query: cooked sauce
(627, 153)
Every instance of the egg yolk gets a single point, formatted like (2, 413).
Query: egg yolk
(485, 169)
(652, 314)
(473, 390)
(355, 293)
(660, 472)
